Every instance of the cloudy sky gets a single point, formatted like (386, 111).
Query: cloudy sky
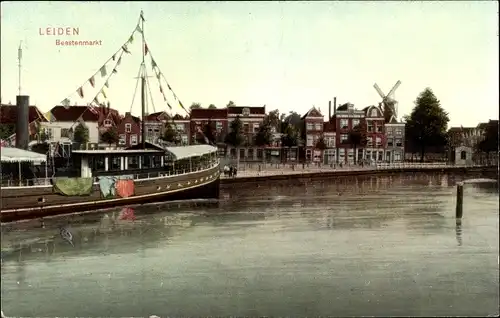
(286, 55)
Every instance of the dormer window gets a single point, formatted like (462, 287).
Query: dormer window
(108, 123)
(374, 113)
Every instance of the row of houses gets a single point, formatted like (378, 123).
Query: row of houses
(385, 139)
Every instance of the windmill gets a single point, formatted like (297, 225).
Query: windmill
(388, 101)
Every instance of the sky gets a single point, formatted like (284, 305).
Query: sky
(285, 55)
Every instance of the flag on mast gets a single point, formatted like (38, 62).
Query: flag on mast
(20, 52)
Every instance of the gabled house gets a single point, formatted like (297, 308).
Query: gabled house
(218, 118)
(129, 131)
(251, 118)
(312, 132)
(329, 134)
(395, 140)
(182, 126)
(346, 118)
(155, 125)
(375, 134)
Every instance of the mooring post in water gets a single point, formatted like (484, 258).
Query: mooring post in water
(460, 201)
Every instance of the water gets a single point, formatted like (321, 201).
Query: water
(381, 247)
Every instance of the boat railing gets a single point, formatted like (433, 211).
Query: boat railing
(43, 182)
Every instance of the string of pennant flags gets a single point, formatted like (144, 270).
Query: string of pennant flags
(103, 73)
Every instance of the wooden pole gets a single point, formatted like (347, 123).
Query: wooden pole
(460, 201)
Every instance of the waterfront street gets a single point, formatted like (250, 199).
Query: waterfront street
(384, 246)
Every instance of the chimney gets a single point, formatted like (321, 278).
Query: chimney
(22, 130)
(335, 105)
(329, 110)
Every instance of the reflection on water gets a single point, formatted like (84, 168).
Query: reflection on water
(372, 246)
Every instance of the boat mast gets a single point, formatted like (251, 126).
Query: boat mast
(143, 86)
(19, 57)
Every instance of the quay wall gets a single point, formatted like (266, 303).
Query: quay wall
(255, 178)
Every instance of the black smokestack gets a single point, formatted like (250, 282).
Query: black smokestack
(334, 105)
(329, 110)
(22, 130)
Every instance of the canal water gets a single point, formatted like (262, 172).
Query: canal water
(373, 247)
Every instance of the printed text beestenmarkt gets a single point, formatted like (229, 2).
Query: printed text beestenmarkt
(78, 43)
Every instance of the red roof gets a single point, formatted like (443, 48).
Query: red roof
(73, 113)
(204, 113)
(8, 114)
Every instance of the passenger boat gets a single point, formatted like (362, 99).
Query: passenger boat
(146, 173)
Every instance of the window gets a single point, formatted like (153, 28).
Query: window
(380, 128)
(150, 131)
(179, 127)
(319, 126)
(255, 128)
(399, 142)
(133, 139)
(184, 139)
(308, 155)
(122, 140)
(350, 153)
(310, 141)
(397, 157)
(342, 153)
(390, 142)
(374, 112)
(399, 131)
(65, 132)
(378, 141)
(128, 128)
(368, 154)
(355, 122)
(309, 126)
(388, 156)
(108, 123)
(246, 128)
(344, 123)
(370, 126)
(380, 155)
(344, 138)
(330, 142)
(218, 126)
(157, 132)
(369, 142)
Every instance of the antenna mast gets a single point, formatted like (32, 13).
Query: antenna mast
(19, 57)
(143, 87)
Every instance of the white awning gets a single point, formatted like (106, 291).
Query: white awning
(9, 154)
(190, 151)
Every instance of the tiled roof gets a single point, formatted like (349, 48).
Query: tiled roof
(209, 113)
(238, 110)
(154, 116)
(8, 114)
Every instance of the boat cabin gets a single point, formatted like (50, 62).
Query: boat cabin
(155, 159)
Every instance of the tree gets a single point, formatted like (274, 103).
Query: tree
(195, 106)
(290, 136)
(235, 137)
(490, 138)
(209, 132)
(273, 119)
(427, 123)
(264, 135)
(170, 134)
(230, 104)
(81, 134)
(6, 130)
(212, 106)
(357, 137)
(321, 144)
(109, 136)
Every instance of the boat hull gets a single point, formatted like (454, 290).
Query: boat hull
(34, 202)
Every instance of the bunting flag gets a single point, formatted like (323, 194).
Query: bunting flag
(119, 61)
(131, 39)
(80, 92)
(180, 103)
(153, 64)
(96, 100)
(125, 48)
(170, 88)
(146, 50)
(65, 102)
(138, 28)
(161, 89)
(92, 81)
(169, 106)
(142, 16)
(115, 71)
(158, 75)
(106, 84)
(93, 110)
(114, 57)
(104, 73)
(103, 92)
(48, 115)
